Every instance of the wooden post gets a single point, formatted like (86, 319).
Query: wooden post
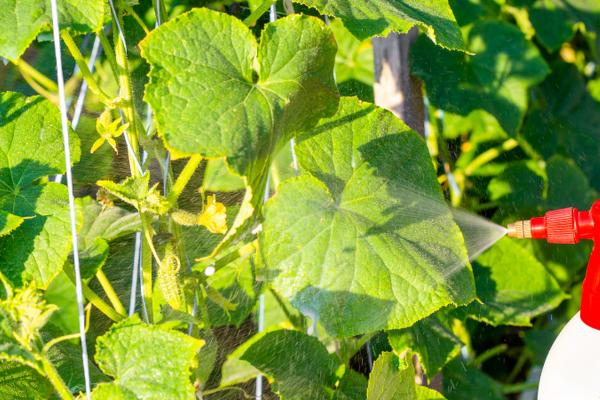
(395, 89)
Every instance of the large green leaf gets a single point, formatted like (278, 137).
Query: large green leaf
(521, 185)
(366, 18)
(469, 11)
(9, 222)
(512, 286)
(31, 148)
(553, 22)
(495, 79)
(371, 243)
(146, 361)
(352, 386)
(218, 99)
(431, 340)
(236, 284)
(392, 378)
(106, 223)
(218, 178)
(61, 292)
(66, 358)
(462, 382)
(424, 393)
(20, 382)
(99, 226)
(22, 20)
(298, 365)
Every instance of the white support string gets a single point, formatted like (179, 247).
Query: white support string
(65, 133)
(118, 23)
(134, 275)
(289, 9)
(261, 298)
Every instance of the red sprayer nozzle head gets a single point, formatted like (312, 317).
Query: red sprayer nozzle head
(564, 226)
(569, 226)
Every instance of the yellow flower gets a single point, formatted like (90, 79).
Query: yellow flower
(108, 130)
(214, 216)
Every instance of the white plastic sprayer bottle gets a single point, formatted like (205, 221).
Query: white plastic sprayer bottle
(572, 367)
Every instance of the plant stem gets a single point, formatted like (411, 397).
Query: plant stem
(489, 155)
(137, 18)
(42, 79)
(201, 299)
(96, 300)
(147, 228)
(489, 353)
(110, 292)
(109, 53)
(148, 252)
(523, 357)
(519, 387)
(256, 14)
(222, 389)
(38, 88)
(54, 378)
(183, 179)
(82, 64)
(128, 106)
(147, 279)
(60, 339)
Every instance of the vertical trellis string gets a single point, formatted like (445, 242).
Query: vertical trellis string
(261, 298)
(65, 132)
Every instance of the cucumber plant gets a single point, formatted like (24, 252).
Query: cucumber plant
(245, 213)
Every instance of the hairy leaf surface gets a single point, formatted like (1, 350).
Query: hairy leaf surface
(513, 286)
(146, 361)
(23, 20)
(30, 149)
(298, 364)
(431, 340)
(21, 382)
(371, 243)
(366, 18)
(391, 378)
(216, 92)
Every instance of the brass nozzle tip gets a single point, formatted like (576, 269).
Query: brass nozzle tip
(520, 229)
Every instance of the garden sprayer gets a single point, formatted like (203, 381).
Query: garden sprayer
(572, 368)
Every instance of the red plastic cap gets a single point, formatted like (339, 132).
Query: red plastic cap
(561, 227)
